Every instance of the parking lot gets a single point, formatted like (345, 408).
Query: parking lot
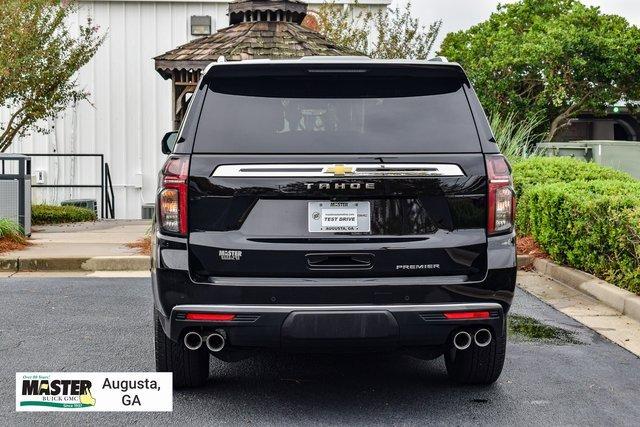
(89, 324)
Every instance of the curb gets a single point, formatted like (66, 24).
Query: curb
(117, 263)
(102, 263)
(525, 260)
(8, 264)
(619, 299)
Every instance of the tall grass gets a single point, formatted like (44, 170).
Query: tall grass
(11, 231)
(516, 138)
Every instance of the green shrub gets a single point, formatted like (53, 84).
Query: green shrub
(546, 170)
(591, 225)
(49, 214)
(11, 231)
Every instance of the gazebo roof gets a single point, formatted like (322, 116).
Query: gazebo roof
(271, 29)
(239, 10)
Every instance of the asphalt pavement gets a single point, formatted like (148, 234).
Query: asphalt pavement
(90, 324)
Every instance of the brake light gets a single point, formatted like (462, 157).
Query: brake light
(458, 315)
(172, 200)
(211, 317)
(501, 195)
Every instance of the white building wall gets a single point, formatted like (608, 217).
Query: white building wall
(129, 108)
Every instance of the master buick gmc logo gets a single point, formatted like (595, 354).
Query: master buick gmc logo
(340, 186)
(56, 393)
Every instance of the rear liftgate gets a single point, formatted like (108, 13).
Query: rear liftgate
(398, 217)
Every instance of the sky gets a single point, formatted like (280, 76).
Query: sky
(461, 14)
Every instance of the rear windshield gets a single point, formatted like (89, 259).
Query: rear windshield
(322, 114)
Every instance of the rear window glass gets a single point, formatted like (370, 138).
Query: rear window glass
(336, 113)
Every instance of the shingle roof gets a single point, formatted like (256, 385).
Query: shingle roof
(249, 40)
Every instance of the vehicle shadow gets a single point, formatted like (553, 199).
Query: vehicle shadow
(337, 388)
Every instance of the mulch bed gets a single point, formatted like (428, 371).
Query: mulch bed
(527, 246)
(7, 245)
(143, 246)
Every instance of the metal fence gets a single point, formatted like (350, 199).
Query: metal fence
(107, 202)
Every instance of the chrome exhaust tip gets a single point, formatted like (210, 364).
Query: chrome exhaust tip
(482, 337)
(216, 342)
(462, 340)
(193, 341)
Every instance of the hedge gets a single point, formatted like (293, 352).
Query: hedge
(49, 214)
(547, 170)
(591, 222)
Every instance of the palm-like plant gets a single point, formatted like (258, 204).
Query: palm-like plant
(516, 139)
(11, 231)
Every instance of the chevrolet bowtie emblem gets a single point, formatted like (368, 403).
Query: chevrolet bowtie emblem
(339, 170)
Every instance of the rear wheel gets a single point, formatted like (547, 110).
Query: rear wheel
(190, 368)
(477, 365)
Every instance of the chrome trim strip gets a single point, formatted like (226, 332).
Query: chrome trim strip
(337, 170)
(323, 282)
(258, 309)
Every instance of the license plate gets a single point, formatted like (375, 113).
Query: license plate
(339, 217)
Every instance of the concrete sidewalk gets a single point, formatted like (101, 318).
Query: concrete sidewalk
(99, 245)
(608, 322)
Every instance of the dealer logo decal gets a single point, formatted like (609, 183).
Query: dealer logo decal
(94, 391)
(230, 255)
(57, 393)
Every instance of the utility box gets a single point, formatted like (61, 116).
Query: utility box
(577, 150)
(620, 155)
(15, 189)
(148, 210)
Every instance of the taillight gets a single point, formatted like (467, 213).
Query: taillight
(172, 200)
(211, 317)
(501, 195)
(463, 315)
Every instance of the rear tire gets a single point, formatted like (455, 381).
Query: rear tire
(477, 365)
(190, 368)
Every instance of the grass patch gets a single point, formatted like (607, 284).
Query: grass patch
(529, 329)
(11, 231)
(49, 214)
(11, 236)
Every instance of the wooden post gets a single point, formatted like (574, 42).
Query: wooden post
(184, 82)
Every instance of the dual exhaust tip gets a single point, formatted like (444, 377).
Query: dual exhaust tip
(215, 342)
(463, 339)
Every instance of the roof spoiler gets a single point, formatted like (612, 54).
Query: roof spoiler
(326, 58)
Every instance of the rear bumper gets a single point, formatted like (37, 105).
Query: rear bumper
(393, 311)
(322, 326)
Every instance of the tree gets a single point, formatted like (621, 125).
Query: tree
(39, 57)
(387, 34)
(554, 59)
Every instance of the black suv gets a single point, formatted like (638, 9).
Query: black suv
(333, 205)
